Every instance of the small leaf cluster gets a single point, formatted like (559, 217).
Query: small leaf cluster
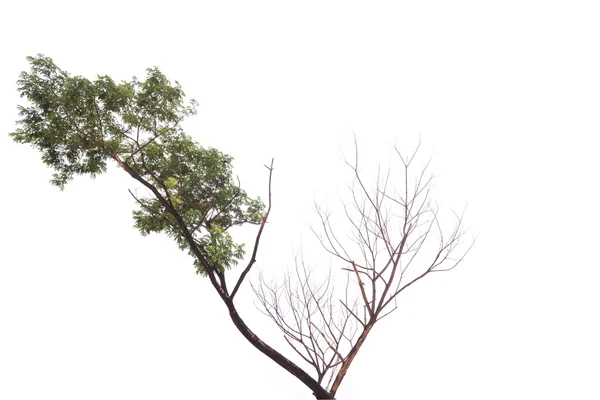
(79, 124)
(198, 184)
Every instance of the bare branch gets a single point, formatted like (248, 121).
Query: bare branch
(258, 236)
(392, 232)
(394, 238)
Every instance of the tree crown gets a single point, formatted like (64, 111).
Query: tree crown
(79, 124)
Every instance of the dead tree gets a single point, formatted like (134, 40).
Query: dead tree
(394, 237)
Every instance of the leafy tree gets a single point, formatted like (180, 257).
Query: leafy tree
(79, 125)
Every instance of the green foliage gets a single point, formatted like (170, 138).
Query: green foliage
(79, 124)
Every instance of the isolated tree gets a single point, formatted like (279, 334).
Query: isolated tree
(79, 125)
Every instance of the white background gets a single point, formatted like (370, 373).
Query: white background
(505, 94)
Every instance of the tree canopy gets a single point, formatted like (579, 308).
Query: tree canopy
(79, 124)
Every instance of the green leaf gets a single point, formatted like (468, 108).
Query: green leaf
(79, 125)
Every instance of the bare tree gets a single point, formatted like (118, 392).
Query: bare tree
(395, 239)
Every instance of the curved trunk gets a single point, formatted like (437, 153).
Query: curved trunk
(318, 391)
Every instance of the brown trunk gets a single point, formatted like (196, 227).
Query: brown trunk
(346, 364)
(318, 391)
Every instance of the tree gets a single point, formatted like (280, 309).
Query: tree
(79, 125)
(396, 239)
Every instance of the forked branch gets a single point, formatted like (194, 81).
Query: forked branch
(393, 237)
